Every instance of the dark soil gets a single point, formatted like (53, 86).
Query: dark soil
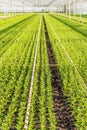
(62, 110)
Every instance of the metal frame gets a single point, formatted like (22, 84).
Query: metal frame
(7, 5)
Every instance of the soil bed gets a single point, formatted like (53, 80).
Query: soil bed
(62, 110)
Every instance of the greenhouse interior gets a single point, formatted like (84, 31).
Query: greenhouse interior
(43, 64)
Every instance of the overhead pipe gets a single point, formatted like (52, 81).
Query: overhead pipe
(80, 12)
(69, 10)
(74, 8)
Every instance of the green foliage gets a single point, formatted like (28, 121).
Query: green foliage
(15, 74)
(71, 55)
(16, 64)
(79, 27)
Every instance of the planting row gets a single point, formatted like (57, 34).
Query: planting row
(7, 38)
(69, 53)
(76, 17)
(79, 27)
(15, 74)
(41, 111)
(6, 23)
(74, 43)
